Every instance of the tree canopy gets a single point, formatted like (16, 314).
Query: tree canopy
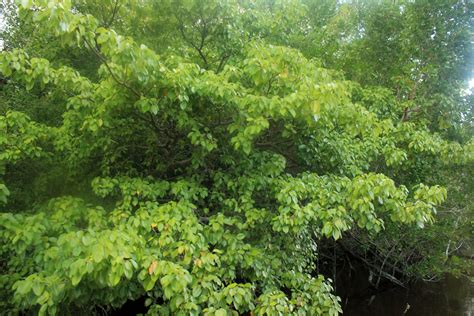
(202, 155)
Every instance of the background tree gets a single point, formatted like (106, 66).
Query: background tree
(206, 161)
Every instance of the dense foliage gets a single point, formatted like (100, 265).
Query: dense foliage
(210, 155)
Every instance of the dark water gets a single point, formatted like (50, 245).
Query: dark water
(448, 297)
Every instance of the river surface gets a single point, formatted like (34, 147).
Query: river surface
(448, 297)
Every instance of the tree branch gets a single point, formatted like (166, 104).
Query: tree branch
(114, 77)
(114, 13)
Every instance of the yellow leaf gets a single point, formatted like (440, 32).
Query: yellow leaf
(152, 267)
(198, 262)
(315, 107)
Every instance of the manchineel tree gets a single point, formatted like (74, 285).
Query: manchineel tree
(205, 165)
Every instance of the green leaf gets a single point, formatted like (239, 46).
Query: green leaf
(221, 312)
